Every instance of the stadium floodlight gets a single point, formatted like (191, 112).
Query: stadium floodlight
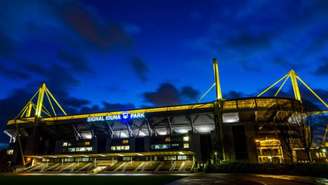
(232, 117)
(181, 130)
(204, 129)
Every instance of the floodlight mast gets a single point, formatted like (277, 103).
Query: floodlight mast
(217, 80)
(294, 78)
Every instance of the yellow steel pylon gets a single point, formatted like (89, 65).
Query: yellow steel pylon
(217, 80)
(292, 75)
(40, 108)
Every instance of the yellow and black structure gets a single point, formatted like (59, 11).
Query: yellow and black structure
(180, 138)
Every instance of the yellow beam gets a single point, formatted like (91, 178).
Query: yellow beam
(293, 77)
(271, 86)
(325, 136)
(54, 99)
(39, 104)
(52, 107)
(23, 111)
(217, 79)
(147, 110)
(314, 93)
(281, 86)
(29, 110)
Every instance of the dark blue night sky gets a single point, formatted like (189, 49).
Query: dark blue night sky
(109, 55)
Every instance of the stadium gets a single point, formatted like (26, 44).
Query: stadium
(180, 138)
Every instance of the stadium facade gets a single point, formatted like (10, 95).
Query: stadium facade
(181, 138)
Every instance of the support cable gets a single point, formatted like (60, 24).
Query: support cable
(281, 86)
(53, 98)
(312, 91)
(52, 107)
(271, 86)
(206, 92)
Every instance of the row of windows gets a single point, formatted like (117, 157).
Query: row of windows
(167, 146)
(65, 144)
(174, 158)
(80, 149)
(120, 148)
(160, 146)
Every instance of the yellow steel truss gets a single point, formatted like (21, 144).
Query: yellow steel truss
(292, 75)
(39, 108)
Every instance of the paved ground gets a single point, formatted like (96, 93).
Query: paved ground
(247, 179)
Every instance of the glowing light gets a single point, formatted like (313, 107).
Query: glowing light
(124, 135)
(162, 132)
(142, 134)
(86, 135)
(186, 138)
(182, 130)
(204, 129)
(230, 117)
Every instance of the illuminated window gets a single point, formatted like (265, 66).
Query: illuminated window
(186, 145)
(66, 144)
(160, 146)
(80, 149)
(120, 148)
(71, 149)
(167, 139)
(10, 152)
(186, 138)
(182, 157)
(87, 143)
(170, 158)
(125, 141)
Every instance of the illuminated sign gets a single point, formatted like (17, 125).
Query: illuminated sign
(117, 117)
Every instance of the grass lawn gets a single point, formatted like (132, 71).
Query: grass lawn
(88, 180)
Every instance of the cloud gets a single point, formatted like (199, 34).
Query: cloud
(91, 28)
(260, 31)
(75, 61)
(249, 40)
(234, 95)
(168, 94)
(140, 68)
(250, 66)
(189, 93)
(283, 62)
(12, 73)
(322, 69)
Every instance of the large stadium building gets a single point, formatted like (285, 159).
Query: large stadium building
(180, 138)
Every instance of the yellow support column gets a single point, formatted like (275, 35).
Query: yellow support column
(293, 77)
(39, 104)
(217, 79)
(29, 109)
